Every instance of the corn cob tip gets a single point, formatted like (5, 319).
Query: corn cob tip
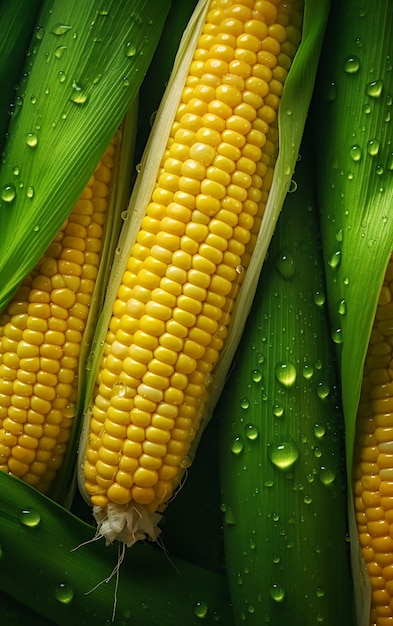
(126, 524)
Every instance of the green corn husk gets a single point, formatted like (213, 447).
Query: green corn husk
(17, 21)
(355, 186)
(292, 116)
(80, 77)
(282, 462)
(41, 567)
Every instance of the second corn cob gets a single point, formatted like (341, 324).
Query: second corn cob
(44, 334)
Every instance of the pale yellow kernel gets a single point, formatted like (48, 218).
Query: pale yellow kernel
(147, 392)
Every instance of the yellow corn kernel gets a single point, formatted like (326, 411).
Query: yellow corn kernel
(192, 251)
(40, 337)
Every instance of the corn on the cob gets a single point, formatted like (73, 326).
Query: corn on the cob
(373, 460)
(178, 288)
(42, 333)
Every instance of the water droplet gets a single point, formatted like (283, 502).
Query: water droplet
(36, 228)
(30, 192)
(70, 410)
(237, 445)
(64, 593)
(130, 49)
(355, 152)
(373, 147)
(389, 162)
(59, 52)
(319, 592)
(319, 430)
(319, 298)
(334, 259)
(60, 29)
(284, 454)
(200, 609)
(307, 371)
(374, 89)
(330, 92)
(277, 592)
(240, 269)
(126, 81)
(256, 376)
(285, 372)
(285, 264)
(379, 170)
(342, 307)
(323, 390)
(292, 186)
(367, 108)
(33, 100)
(39, 33)
(186, 461)
(119, 389)
(31, 140)
(339, 234)
(326, 475)
(337, 335)
(229, 516)
(124, 215)
(252, 432)
(78, 95)
(8, 193)
(307, 499)
(278, 410)
(244, 403)
(15, 170)
(30, 517)
(358, 42)
(351, 64)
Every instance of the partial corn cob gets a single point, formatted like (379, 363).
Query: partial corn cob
(190, 250)
(282, 467)
(356, 194)
(44, 334)
(373, 460)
